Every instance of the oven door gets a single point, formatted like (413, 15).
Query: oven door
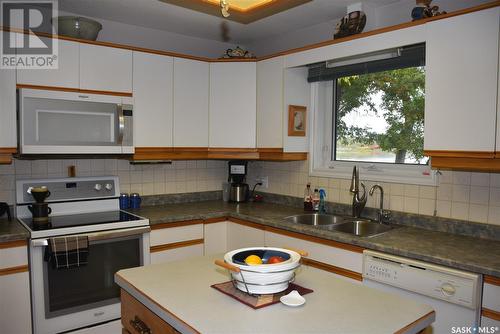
(66, 299)
(54, 122)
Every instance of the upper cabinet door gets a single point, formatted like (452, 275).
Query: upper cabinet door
(462, 82)
(105, 69)
(270, 103)
(233, 105)
(191, 89)
(153, 77)
(66, 75)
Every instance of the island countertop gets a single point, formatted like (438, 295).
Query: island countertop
(180, 294)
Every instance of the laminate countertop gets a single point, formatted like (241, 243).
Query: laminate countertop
(456, 251)
(180, 294)
(12, 231)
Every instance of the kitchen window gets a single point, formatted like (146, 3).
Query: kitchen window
(369, 111)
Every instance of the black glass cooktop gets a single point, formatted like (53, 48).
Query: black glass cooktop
(83, 219)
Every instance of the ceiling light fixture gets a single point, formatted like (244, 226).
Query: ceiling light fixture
(224, 8)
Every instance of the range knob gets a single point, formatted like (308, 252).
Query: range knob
(448, 289)
(108, 186)
(97, 187)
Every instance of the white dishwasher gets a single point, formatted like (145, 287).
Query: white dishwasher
(455, 295)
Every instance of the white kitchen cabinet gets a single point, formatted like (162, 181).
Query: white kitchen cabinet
(462, 82)
(8, 123)
(176, 243)
(333, 256)
(191, 89)
(240, 236)
(15, 304)
(491, 302)
(270, 103)
(66, 75)
(105, 68)
(153, 107)
(215, 236)
(232, 117)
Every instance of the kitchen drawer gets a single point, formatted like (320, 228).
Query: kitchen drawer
(170, 235)
(491, 296)
(176, 254)
(134, 311)
(13, 256)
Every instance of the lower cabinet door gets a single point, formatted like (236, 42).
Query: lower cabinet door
(241, 236)
(176, 254)
(215, 235)
(15, 305)
(137, 318)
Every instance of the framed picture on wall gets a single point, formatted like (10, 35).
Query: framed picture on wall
(297, 121)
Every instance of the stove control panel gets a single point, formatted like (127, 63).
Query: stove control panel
(70, 189)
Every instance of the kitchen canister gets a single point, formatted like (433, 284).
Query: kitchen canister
(124, 201)
(135, 201)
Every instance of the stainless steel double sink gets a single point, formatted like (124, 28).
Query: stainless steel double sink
(350, 225)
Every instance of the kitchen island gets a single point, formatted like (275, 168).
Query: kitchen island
(177, 297)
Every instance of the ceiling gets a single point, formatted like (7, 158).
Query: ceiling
(159, 15)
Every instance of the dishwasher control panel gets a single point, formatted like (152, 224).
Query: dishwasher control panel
(454, 286)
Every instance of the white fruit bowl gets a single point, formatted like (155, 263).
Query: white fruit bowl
(263, 278)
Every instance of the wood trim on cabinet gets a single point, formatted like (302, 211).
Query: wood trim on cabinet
(383, 30)
(228, 153)
(110, 44)
(174, 245)
(277, 154)
(460, 154)
(177, 224)
(491, 280)
(214, 220)
(6, 155)
(467, 164)
(13, 244)
(332, 269)
(75, 90)
(13, 270)
(492, 314)
(310, 238)
(278, 54)
(406, 328)
(170, 153)
(247, 223)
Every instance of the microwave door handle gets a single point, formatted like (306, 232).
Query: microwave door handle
(121, 123)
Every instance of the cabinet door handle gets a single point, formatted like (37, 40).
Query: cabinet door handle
(140, 326)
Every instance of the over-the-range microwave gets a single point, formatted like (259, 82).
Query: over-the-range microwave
(55, 122)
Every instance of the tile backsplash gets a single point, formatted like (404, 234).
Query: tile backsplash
(459, 195)
(155, 179)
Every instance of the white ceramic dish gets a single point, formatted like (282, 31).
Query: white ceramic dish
(264, 278)
(293, 299)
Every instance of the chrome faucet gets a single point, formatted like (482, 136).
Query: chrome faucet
(358, 203)
(382, 215)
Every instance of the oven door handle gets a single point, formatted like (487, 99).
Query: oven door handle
(104, 235)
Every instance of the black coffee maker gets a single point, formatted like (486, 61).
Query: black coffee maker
(238, 192)
(40, 209)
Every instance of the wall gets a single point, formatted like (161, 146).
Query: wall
(460, 195)
(178, 177)
(398, 12)
(116, 32)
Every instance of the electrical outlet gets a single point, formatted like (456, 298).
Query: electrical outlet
(264, 180)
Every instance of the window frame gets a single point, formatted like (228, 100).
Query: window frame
(321, 146)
